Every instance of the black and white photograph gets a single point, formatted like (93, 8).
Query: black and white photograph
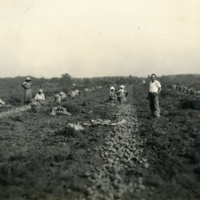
(99, 100)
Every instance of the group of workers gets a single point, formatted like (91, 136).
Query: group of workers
(119, 95)
(153, 93)
(60, 97)
(39, 97)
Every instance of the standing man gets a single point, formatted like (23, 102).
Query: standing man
(154, 90)
(27, 90)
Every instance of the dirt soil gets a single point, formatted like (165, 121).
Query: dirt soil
(139, 157)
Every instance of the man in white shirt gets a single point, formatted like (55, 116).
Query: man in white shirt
(154, 90)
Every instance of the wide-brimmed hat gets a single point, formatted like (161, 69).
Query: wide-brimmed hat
(112, 88)
(28, 79)
(122, 87)
(40, 90)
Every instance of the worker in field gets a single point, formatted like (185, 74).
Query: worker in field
(2, 103)
(154, 90)
(39, 97)
(122, 94)
(112, 95)
(57, 98)
(27, 90)
(62, 95)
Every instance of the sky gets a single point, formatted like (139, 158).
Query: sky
(94, 38)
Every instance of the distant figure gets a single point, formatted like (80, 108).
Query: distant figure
(174, 86)
(121, 95)
(27, 90)
(2, 102)
(77, 92)
(72, 94)
(154, 90)
(62, 95)
(57, 98)
(39, 97)
(112, 95)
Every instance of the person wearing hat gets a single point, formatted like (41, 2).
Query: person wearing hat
(112, 95)
(39, 97)
(154, 90)
(122, 94)
(27, 90)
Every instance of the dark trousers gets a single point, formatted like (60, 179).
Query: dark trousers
(154, 104)
(27, 96)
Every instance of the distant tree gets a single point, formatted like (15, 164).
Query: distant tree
(66, 81)
(77, 81)
(87, 82)
(54, 80)
(130, 79)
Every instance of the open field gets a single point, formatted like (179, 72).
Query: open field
(132, 156)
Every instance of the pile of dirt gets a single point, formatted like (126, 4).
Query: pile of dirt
(121, 174)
